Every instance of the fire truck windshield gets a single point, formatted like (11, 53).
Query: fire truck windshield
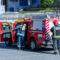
(37, 25)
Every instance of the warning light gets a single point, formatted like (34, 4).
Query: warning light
(25, 19)
(47, 19)
(5, 23)
(19, 20)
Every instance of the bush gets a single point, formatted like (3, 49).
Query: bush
(46, 3)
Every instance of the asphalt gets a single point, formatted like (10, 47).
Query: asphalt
(12, 53)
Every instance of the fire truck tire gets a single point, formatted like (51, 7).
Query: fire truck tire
(33, 44)
(8, 43)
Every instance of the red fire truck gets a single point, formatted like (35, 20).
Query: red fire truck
(5, 32)
(37, 33)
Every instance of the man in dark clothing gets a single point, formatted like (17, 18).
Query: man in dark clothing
(56, 36)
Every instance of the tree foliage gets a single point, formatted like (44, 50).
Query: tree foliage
(46, 3)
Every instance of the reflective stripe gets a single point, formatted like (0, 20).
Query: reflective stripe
(55, 36)
(54, 31)
(56, 50)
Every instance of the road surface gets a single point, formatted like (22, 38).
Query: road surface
(11, 53)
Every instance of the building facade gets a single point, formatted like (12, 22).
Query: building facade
(14, 5)
(2, 7)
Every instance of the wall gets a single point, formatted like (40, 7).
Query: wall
(2, 7)
(18, 5)
(12, 4)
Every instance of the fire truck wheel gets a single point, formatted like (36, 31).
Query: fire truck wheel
(33, 44)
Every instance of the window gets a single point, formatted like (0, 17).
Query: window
(11, 9)
(23, 2)
(18, 24)
(5, 27)
(34, 1)
(6, 30)
(37, 25)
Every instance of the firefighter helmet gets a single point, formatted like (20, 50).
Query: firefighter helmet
(55, 21)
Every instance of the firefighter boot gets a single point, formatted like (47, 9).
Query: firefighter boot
(19, 48)
(56, 52)
(23, 47)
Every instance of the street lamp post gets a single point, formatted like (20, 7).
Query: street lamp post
(29, 4)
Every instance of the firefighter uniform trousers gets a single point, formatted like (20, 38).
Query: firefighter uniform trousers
(56, 37)
(20, 43)
(18, 39)
(56, 44)
(23, 40)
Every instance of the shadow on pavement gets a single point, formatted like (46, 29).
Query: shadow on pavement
(41, 50)
(3, 46)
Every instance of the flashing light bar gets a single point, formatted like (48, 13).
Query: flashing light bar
(26, 19)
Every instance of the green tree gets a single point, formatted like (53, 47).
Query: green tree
(46, 3)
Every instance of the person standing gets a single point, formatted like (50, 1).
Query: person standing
(56, 36)
(18, 30)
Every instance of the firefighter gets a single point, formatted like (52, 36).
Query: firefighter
(56, 36)
(56, 18)
(23, 36)
(18, 29)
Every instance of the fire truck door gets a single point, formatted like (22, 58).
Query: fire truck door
(25, 28)
(6, 31)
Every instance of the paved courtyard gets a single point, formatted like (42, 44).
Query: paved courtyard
(11, 53)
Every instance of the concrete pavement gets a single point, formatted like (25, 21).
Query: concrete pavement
(11, 53)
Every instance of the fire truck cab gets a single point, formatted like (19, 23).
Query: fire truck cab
(35, 35)
(5, 32)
